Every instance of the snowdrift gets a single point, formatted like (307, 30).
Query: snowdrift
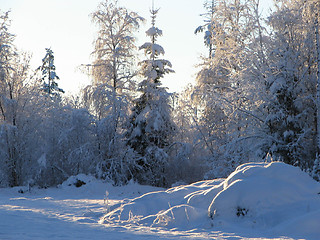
(275, 198)
(86, 185)
(265, 195)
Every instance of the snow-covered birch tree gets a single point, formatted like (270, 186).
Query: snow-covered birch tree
(311, 18)
(224, 91)
(290, 105)
(108, 98)
(209, 27)
(8, 86)
(114, 59)
(14, 99)
(316, 6)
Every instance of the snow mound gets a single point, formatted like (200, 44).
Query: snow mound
(274, 198)
(265, 195)
(87, 185)
(78, 181)
(181, 206)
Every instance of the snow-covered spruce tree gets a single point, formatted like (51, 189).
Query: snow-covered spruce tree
(151, 127)
(108, 98)
(49, 76)
(51, 162)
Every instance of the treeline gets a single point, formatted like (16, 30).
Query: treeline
(256, 98)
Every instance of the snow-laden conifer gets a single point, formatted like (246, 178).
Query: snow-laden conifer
(151, 127)
(49, 76)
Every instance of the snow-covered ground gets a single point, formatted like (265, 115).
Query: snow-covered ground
(257, 201)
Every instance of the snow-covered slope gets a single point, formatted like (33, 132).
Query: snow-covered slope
(257, 201)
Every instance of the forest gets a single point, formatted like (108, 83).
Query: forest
(255, 98)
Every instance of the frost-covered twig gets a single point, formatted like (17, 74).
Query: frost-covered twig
(106, 201)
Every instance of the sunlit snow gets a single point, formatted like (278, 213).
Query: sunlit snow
(257, 201)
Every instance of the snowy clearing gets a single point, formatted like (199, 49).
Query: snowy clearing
(257, 201)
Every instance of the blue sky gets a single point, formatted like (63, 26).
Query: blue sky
(65, 26)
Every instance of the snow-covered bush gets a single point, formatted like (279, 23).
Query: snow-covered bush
(78, 180)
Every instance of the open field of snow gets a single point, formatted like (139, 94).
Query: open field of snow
(257, 201)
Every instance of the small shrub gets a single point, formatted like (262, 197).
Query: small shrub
(241, 212)
(79, 183)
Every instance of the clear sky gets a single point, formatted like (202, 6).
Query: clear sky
(65, 26)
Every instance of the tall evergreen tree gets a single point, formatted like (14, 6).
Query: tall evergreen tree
(151, 127)
(49, 76)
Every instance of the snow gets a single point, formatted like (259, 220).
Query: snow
(153, 48)
(257, 201)
(266, 196)
(258, 198)
(65, 212)
(154, 31)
